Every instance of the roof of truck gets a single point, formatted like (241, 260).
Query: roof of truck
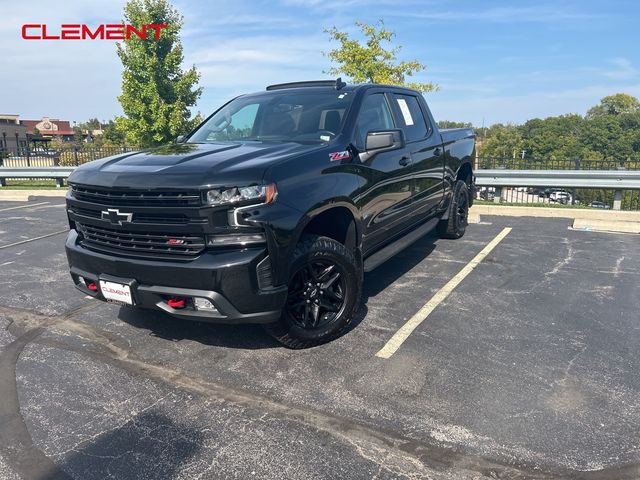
(337, 85)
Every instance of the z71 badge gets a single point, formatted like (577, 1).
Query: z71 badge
(335, 156)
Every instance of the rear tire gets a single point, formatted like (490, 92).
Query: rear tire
(324, 294)
(456, 223)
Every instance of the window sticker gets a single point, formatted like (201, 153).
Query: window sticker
(404, 108)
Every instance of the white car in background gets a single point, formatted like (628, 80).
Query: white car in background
(561, 196)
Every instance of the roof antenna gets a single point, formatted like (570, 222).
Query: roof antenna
(340, 84)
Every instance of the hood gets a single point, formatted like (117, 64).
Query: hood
(188, 165)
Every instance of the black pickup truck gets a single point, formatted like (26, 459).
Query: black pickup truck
(272, 209)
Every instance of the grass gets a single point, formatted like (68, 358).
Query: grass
(31, 185)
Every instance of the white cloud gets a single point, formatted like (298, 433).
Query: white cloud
(526, 14)
(623, 69)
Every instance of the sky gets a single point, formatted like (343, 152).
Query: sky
(494, 61)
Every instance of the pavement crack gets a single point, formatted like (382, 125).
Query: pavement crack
(565, 261)
(16, 444)
(404, 453)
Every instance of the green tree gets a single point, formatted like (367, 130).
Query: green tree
(91, 124)
(617, 104)
(502, 141)
(450, 124)
(78, 136)
(371, 61)
(156, 92)
(114, 136)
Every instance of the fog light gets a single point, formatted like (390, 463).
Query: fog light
(204, 304)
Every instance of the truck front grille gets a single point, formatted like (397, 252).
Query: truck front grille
(140, 217)
(172, 245)
(155, 198)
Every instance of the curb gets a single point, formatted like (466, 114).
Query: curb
(587, 220)
(26, 195)
(606, 226)
(582, 213)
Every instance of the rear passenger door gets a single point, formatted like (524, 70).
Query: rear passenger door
(427, 154)
(386, 194)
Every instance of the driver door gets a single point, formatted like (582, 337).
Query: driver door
(385, 197)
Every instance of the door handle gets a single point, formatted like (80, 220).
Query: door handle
(437, 152)
(404, 161)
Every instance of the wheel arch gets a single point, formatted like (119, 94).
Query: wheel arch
(338, 220)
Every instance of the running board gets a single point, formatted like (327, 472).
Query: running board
(390, 250)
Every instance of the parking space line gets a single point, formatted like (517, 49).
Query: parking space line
(24, 206)
(34, 239)
(403, 333)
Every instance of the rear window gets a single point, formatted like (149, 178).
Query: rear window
(411, 117)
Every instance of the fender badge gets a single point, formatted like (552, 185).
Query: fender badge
(335, 156)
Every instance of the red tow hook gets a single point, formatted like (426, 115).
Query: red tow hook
(92, 286)
(176, 303)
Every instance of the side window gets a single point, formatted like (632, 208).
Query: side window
(237, 126)
(411, 117)
(374, 115)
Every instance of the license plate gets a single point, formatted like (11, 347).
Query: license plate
(116, 292)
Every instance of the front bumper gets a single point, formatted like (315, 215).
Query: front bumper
(226, 278)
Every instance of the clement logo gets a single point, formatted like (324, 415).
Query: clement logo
(80, 31)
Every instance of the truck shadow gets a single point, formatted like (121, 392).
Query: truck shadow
(379, 279)
(161, 325)
(254, 337)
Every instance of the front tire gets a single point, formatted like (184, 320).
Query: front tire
(456, 223)
(324, 293)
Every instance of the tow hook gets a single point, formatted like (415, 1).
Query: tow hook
(176, 303)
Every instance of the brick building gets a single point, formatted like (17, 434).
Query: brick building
(48, 128)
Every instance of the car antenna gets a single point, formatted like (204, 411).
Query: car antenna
(340, 84)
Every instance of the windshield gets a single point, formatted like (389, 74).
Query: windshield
(305, 117)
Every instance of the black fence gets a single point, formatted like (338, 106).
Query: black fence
(66, 157)
(555, 164)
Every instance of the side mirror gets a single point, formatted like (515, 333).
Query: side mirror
(180, 139)
(382, 141)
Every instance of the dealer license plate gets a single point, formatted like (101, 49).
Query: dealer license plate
(116, 292)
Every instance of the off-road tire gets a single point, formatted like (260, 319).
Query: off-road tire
(315, 250)
(456, 223)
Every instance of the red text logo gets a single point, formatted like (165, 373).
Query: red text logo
(80, 31)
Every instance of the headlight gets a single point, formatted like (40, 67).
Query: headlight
(222, 196)
(235, 239)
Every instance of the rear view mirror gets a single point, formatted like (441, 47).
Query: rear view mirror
(180, 139)
(382, 141)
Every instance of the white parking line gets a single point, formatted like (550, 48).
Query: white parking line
(403, 333)
(23, 206)
(34, 239)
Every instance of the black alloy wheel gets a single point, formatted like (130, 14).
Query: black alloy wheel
(316, 294)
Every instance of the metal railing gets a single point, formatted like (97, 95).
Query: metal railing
(72, 155)
(617, 189)
(483, 163)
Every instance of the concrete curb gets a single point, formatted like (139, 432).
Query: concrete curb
(25, 195)
(606, 226)
(583, 219)
(582, 213)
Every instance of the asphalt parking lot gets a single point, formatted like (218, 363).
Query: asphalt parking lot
(528, 369)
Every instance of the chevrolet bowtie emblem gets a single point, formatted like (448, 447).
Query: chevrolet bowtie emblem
(115, 217)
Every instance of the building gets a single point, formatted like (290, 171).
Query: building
(13, 135)
(49, 128)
